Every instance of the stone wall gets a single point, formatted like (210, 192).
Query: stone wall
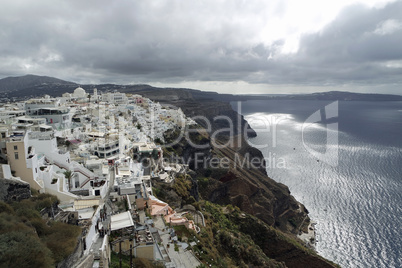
(14, 190)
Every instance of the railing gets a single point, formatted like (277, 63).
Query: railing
(104, 190)
(108, 147)
(85, 182)
(84, 171)
(41, 135)
(40, 182)
(15, 138)
(76, 168)
(57, 163)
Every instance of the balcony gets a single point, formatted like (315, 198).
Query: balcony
(41, 135)
(48, 111)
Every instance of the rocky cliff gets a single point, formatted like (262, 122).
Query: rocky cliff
(14, 190)
(241, 183)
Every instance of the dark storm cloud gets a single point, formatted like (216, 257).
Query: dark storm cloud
(356, 36)
(143, 41)
(359, 46)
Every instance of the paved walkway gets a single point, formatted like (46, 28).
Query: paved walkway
(181, 258)
(141, 215)
(96, 246)
(94, 251)
(159, 223)
(178, 259)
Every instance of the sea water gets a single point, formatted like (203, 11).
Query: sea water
(344, 163)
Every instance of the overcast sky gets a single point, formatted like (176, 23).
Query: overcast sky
(268, 46)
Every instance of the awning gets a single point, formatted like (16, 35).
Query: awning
(121, 220)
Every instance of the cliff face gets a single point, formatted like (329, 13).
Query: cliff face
(250, 189)
(277, 245)
(241, 182)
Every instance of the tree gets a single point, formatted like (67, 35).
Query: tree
(68, 174)
(68, 144)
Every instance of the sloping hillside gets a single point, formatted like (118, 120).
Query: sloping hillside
(29, 81)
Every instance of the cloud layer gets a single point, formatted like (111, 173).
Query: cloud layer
(201, 41)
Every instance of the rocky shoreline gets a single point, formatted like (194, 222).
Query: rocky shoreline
(309, 238)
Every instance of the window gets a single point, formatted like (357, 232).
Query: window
(16, 156)
(3, 135)
(15, 147)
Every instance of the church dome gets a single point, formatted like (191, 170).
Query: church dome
(79, 92)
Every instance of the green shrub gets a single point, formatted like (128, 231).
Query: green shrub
(61, 239)
(29, 240)
(4, 207)
(19, 249)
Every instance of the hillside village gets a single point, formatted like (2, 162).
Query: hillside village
(98, 153)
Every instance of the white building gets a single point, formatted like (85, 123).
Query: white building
(58, 117)
(79, 93)
(34, 104)
(115, 98)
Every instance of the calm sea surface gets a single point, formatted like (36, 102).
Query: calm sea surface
(349, 179)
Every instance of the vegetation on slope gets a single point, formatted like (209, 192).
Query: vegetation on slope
(233, 238)
(219, 244)
(26, 240)
(235, 174)
(125, 262)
